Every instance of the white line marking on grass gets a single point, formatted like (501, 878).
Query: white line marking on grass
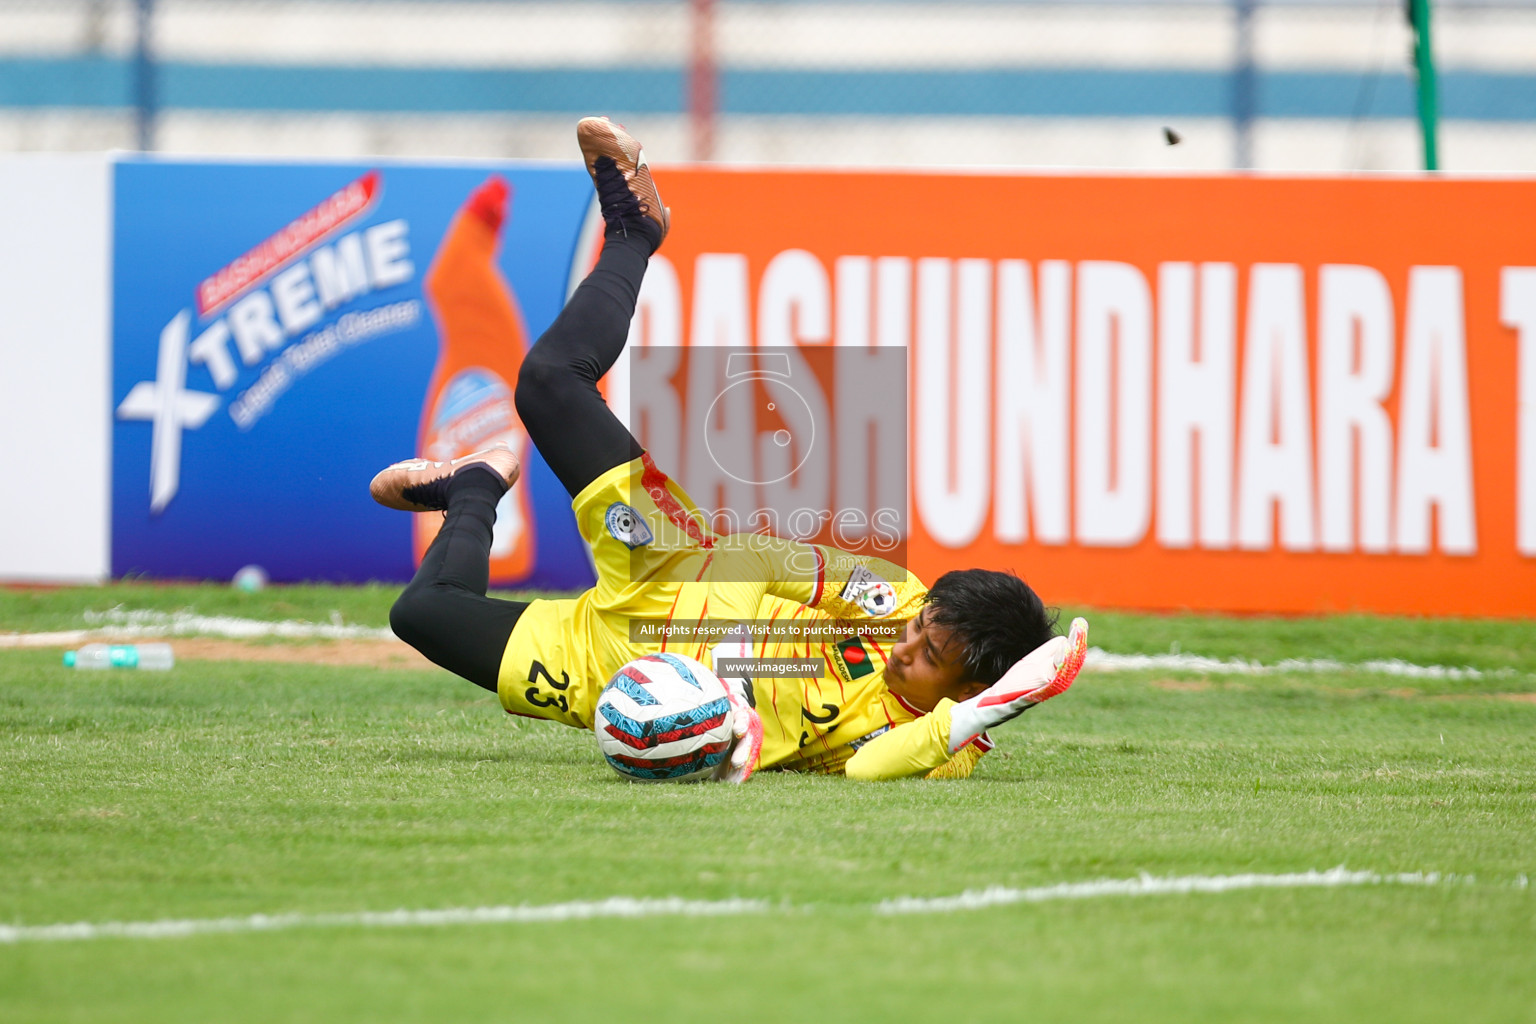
(1102, 661)
(624, 907)
(617, 906)
(1146, 885)
(118, 622)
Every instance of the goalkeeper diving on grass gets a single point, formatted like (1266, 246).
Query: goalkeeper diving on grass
(977, 649)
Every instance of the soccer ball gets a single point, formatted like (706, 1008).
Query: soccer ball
(664, 718)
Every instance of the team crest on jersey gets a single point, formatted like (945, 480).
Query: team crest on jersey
(627, 526)
(852, 659)
(873, 595)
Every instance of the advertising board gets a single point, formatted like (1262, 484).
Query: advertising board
(1235, 393)
(283, 331)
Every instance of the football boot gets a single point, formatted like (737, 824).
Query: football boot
(625, 188)
(421, 485)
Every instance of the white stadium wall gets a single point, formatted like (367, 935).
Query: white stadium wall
(55, 354)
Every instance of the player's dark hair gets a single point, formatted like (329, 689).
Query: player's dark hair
(996, 617)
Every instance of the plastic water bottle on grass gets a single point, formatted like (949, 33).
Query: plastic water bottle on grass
(146, 656)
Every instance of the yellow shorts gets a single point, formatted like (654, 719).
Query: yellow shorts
(657, 565)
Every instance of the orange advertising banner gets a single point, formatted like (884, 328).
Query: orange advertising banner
(1222, 393)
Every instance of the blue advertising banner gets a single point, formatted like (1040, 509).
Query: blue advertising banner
(283, 331)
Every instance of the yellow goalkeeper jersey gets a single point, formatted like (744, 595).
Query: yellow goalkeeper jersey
(848, 620)
(660, 575)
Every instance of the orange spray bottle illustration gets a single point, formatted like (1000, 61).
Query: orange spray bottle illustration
(481, 343)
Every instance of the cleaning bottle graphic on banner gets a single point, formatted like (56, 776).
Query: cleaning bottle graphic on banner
(481, 343)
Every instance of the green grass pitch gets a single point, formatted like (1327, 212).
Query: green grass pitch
(226, 789)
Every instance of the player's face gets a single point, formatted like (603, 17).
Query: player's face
(925, 666)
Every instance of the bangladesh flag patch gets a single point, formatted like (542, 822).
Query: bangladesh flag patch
(854, 657)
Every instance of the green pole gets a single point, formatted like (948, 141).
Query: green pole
(1429, 93)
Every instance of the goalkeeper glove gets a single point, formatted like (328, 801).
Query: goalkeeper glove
(746, 723)
(1040, 675)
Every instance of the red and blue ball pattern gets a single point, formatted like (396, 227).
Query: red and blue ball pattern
(664, 718)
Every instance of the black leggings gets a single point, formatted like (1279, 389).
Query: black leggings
(444, 612)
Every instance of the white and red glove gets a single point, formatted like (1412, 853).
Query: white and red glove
(1040, 675)
(746, 723)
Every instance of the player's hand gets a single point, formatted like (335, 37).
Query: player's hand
(746, 723)
(1040, 675)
